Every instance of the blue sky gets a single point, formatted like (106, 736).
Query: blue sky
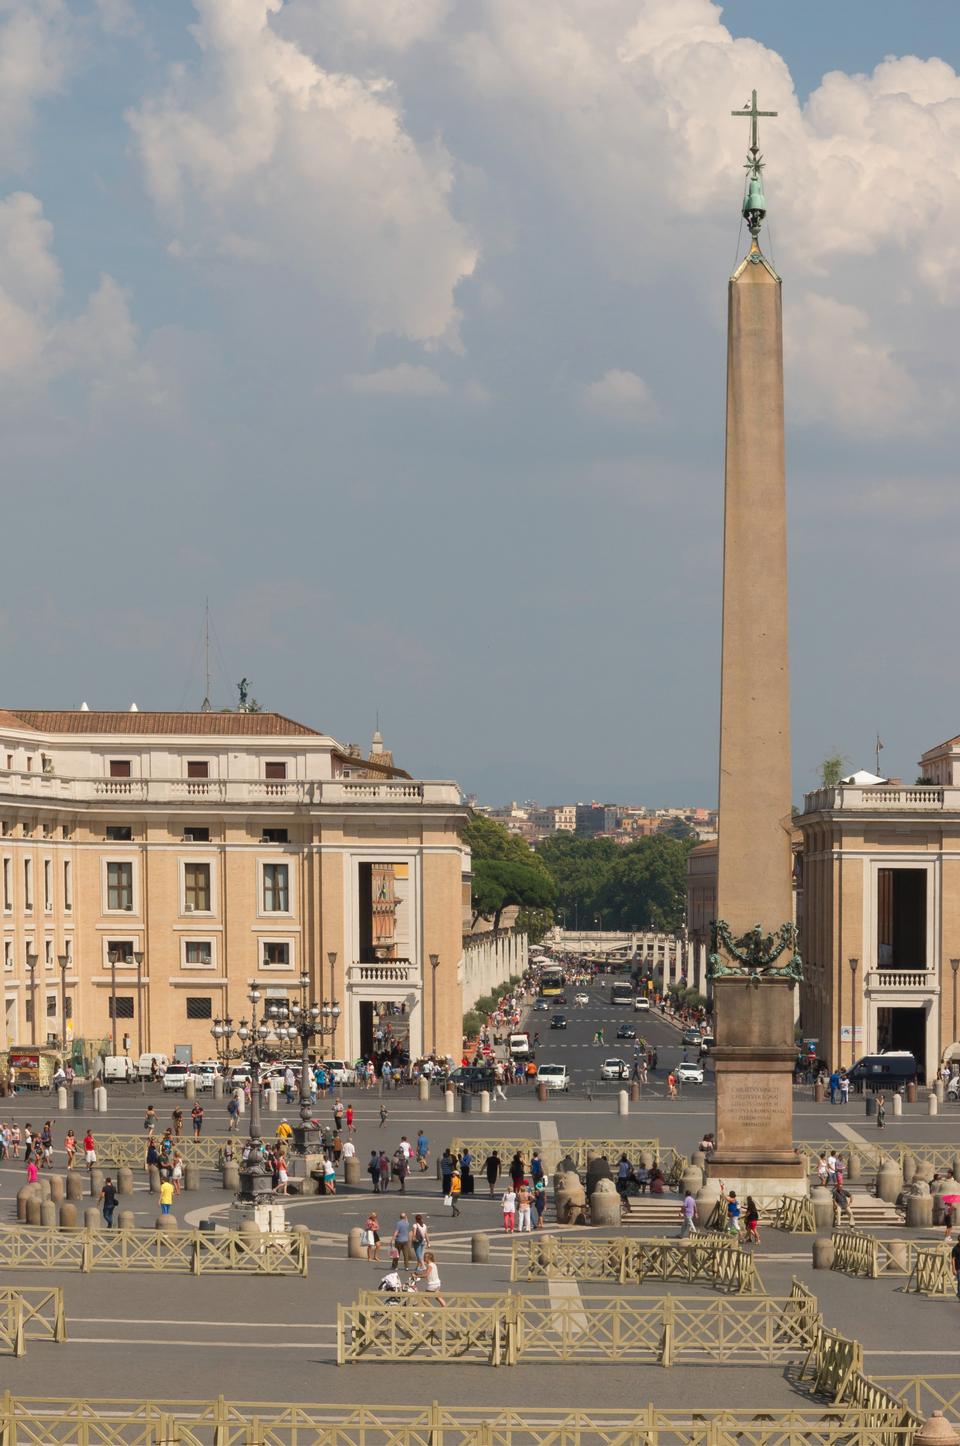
(396, 327)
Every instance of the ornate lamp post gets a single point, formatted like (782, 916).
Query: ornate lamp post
(32, 962)
(138, 960)
(434, 966)
(954, 965)
(853, 995)
(300, 1019)
(64, 961)
(252, 1046)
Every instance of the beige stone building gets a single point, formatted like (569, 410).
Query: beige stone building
(152, 863)
(881, 914)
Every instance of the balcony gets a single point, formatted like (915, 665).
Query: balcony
(849, 796)
(207, 792)
(916, 982)
(387, 971)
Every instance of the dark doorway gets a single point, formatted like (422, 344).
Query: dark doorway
(902, 919)
(366, 1028)
(904, 1029)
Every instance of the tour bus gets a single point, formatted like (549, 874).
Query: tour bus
(551, 981)
(621, 993)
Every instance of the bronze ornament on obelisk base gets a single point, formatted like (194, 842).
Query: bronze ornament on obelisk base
(754, 961)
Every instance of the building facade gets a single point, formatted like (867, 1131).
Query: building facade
(151, 864)
(881, 916)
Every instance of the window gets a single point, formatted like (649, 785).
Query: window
(9, 760)
(6, 829)
(28, 1009)
(120, 886)
(29, 763)
(27, 885)
(274, 770)
(67, 830)
(276, 893)
(122, 948)
(7, 885)
(8, 953)
(51, 1006)
(196, 888)
(275, 956)
(198, 768)
(119, 833)
(120, 768)
(198, 953)
(48, 954)
(195, 833)
(274, 835)
(124, 1010)
(48, 885)
(67, 885)
(48, 830)
(199, 1007)
(902, 919)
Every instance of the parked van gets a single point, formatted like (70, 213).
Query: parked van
(118, 1067)
(889, 1070)
(145, 1064)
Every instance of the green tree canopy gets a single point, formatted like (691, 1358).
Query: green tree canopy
(506, 872)
(633, 886)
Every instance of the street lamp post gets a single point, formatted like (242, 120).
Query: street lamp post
(434, 966)
(64, 961)
(114, 959)
(332, 960)
(954, 965)
(853, 994)
(306, 1021)
(32, 961)
(255, 1187)
(138, 960)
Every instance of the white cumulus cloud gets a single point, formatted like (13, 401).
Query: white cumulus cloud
(620, 396)
(405, 380)
(35, 38)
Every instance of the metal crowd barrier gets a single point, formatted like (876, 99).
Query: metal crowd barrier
(33, 1313)
(191, 1252)
(713, 1259)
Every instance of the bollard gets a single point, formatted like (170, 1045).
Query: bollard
(153, 1179)
(61, 1097)
(484, 1102)
(936, 1431)
(823, 1253)
(166, 1222)
(68, 1215)
(933, 1104)
(823, 1213)
(956, 1168)
(33, 1207)
(189, 1088)
(423, 1088)
(231, 1177)
(58, 1187)
(241, 1100)
(356, 1251)
(96, 1182)
(480, 1248)
(126, 1220)
(853, 1167)
(605, 1204)
(897, 1104)
(78, 1101)
(273, 1101)
(124, 1180)
(100, 1099)
(623, 1103)
(351, 1173)
(74, 1186)
(217, 1087)
(249, 1228)
(889, 1181)
(92, 1219)
(818, 1093)
(912, 1093)
(939, 1091)
(692, 1180)
(448, 1101)
(919, 1212)
(870, 1106)
(191, 1177)
(43, 1185)
(634, 1091)
(542, 1093)
(48, 1213)
(909, 1167)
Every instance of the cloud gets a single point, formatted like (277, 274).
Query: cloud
(368, 24)
(35, 40)
(404, 380)
(620, 396)
(259, 156)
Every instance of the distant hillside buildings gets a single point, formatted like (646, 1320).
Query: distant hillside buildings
(624, 823)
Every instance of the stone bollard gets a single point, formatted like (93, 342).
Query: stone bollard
(942, 1187)
(100, 1099)
(939, 1091)
(919, 1212)
(542, 1093)
(909, 1167)
(692, 1180)
(823, 1253)
(241, 1100)
(355, 1251)
(605, 1204)
(231, 1177)
(217, 1087)
(708, 1198)
(634, 1091)
(936, 1431)
(352, 1175)
(68, 1215)
(74, 1186)
(484, 1102)
(933, 1104)
(189, 1088)
(33, 1209)
(698, 1158)
(480, 1248)
(889, 1181)
(273, 1101)
(897, 1104)
(96, 1183)
(126, 1220)
(48, 1214)
(448, 1101)
(955, 1171)
(43, 1185)
(191, 1177)
(58, 1187)
(124, 1180)
(92, 1219)
(423, 1089)
(897, 1257)
(623, 1103)
(854, 1172)
(166, 1222)
(153, 1179)
(823, 1213)
(61, 1097)
(818, 1093)
(912, 1092)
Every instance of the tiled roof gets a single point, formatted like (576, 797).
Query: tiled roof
(220, 725)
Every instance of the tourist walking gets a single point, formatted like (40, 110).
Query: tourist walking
(166, 1197)
(431, 1276)
(421, 1237)
(688, 1216)
(373, 1170)
(524, 1201)
(371, 1236)
(196, 1114)
(881, 1111)
(456, 1188)
(752, 1218)
(491, 1168)
(508, 1204)
(401, 1238)
(108, 1201)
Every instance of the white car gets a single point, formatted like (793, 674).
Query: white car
(582, 998)
(614, 1069)
(688, 1072)
(339, 1072)
(554, 1076)
(642, 1002)
(205, 1073)
(177, 1075)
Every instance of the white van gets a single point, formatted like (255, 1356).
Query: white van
(145, 1064)
(554, 1076)
(118, 1067)
(641, 1002)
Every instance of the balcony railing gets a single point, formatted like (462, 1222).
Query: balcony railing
(388, 971)
(919, 981)
(848, 795)
(205, 792)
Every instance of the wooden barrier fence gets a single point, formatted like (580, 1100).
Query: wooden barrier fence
(69, 1421)
(932, 1272)
(924, 1394)
(865, 1255)
(191, 1252)
(709, 1258)
(33, 1313)
(207, 1152)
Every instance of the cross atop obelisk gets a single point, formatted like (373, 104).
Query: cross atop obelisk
(754, 205)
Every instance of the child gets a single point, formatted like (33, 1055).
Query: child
(753, 1222)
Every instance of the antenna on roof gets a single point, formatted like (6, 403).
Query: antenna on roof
(206, 706)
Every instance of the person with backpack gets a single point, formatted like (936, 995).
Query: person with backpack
(733, 1214)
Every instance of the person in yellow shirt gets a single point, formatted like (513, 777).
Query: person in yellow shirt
(284, 1132)
(166, 1197)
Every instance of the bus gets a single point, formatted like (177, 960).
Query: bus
(621, 994)
(551, 981)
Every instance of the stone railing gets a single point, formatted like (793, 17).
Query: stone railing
(388, 971)
(848, 795)
(921, 980)
(206, 791)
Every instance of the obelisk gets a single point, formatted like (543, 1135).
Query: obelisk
(754, 961)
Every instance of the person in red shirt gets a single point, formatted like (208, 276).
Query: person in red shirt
(89, 1149)
(350, 1129)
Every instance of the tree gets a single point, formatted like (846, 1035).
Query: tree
(506, 872)
(647, 885)
(831, 771)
